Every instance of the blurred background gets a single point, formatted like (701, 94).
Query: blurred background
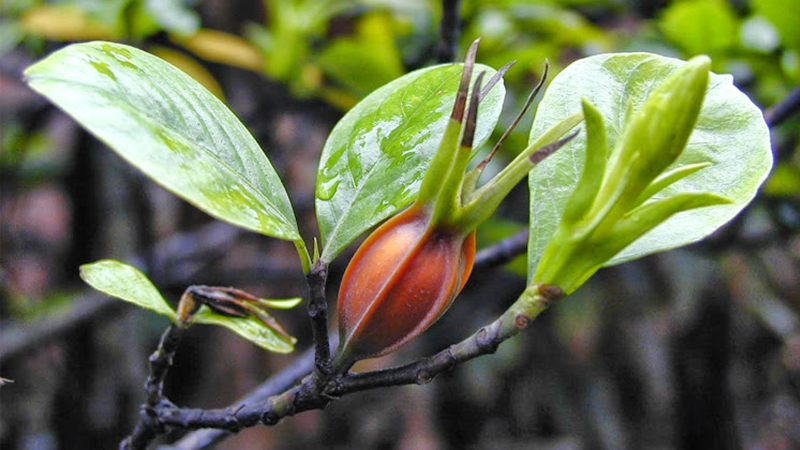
(697, 348)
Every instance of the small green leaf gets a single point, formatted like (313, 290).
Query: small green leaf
(730, 134)
(596, 153)
(165, 123)
(374, 159)
(283, 303)
(668, 178)
(128, 283)
(125, 282)
(644, 218)
(250, 328)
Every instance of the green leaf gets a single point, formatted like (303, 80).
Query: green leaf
(784, 15)
(165, 123)
(128, 283)
(701, 26)
(125, 282)
(730, 134)
(366, 61)
(667, 178)
(174, 15)
(283, 303)
(374, 159)
(645, 217)
(250, 328)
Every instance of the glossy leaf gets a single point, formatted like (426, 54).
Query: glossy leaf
(730, 134)
(165, 123)
(128, 283)
(374, 159)
(125, 282)
(283, 303)
(250, 328)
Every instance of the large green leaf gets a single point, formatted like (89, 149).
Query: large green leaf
(128, 283)
(374, 159)
(730, 134)
(165, 123)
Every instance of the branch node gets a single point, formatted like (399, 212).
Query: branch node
(521, 321)
(482, 336)
(551, 294)
(424, 377)
(231, 422)
(149, 418)
(269, 418)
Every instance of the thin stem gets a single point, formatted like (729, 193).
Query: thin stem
(278, 383)
(786, 108)
(450, 27)
(265, 404)
(534, 301)
(496, 255)
(318, 313)
(481, 203)
(160, 361)
(503, 251)
(516, 120)
(313, 393)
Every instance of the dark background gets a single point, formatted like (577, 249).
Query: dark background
(697, 348)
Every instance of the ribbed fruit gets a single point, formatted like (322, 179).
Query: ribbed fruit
(399, 282)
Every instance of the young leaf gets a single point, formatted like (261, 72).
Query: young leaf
(730, 134)
(165, 123)
(128, 283)
(250, 328)
(125, 282)
(373, 161)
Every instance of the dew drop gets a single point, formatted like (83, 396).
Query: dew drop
(327, 189)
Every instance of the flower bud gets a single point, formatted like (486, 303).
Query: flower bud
(407, 273)
(400, 281)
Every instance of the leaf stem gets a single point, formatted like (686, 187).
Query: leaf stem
(302, 252)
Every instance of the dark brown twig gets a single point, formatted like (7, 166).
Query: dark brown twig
(318, 313)
(313, 393)
(498, 254)
(160, 362)
(502, 252)
(784, 109)
(450, 29)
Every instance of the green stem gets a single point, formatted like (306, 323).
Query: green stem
(302, 252)
(484, 201)
(441, 166)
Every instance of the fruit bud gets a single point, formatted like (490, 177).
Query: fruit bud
(400, 281)
(409, 270)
